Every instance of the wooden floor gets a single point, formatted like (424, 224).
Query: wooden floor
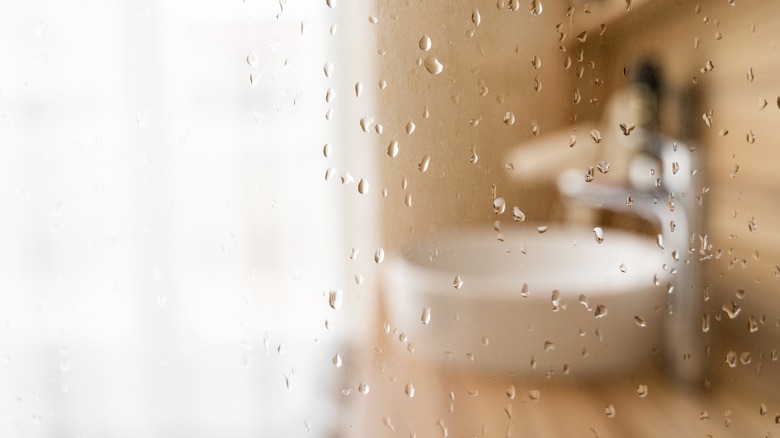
(465, 403)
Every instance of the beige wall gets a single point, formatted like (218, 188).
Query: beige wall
(499, 55)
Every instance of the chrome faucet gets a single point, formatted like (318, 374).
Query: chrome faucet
(659, 186)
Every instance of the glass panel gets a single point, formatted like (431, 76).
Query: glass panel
(389, 218)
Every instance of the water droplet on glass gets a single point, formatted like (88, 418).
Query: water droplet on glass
(410, 127)
(752, 325)
(731, 309)
(457, 283)
(542, 229)
(392, 149)
(475, 17)
(549, 346)
(433, 65)
(409, 390)
(328, 69)
(335, 297)
(556, 300)
(426, 161)
(610, 411)
(517, 214)
(534, 394)
(251, 59)
(659, 241)
(524, 290)
(425, 43)
(499, 205)
(408, 199)
(623, 268)
(363, 186)
(603, 167)
(536, 7)
(473, 158)
(601, 311)
(426, 315)
(337, 361)
(599, 233)
(379, 255)
(363, 387)
(589, 174)
(509, 118)
(584, 301)
(595, 135)
(731, 359)
(640, 321)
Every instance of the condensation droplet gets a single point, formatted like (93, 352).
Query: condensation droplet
(599, 233)
(392, 149)
(705, 323)
(731, 309)
(426, 316)
(379, 255)
(595, 135)
(534, 394)
(363, 387)
(337, 361)
(584, 301)
(603, 167)
(251, 59)
(426, 161)
(433, 65)
(640, 321)
(549, 346)
(358, 89)
(509, 118)
(517, 214)
(475, 17)
(524, 290)
(601, 311)
(425, 43)
(363, 186)
(410, 127)
(536, 7)
(610, 411)
(409, 390)
(659, 241)
(499, 205)
(328, 69)
(457, 283)
(556, 300)
(408, 199)
(641, 391)
(335, 298)
(731, 359)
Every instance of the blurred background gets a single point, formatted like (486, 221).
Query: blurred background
(199, 202)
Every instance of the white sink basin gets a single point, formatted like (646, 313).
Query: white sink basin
(488, 323)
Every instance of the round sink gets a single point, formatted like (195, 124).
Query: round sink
(531, 302)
